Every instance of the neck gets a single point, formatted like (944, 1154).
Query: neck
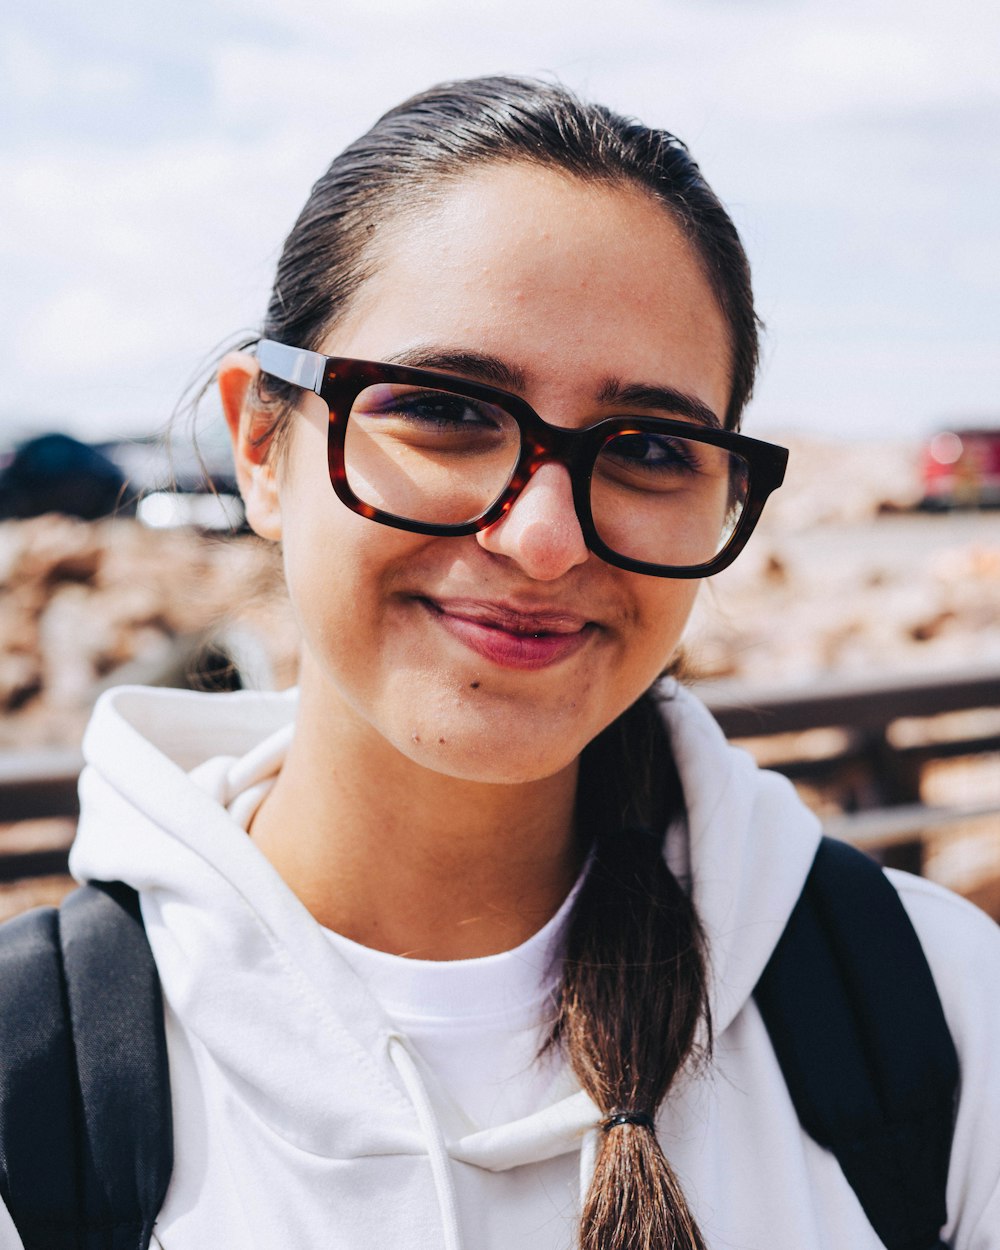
(410, 861)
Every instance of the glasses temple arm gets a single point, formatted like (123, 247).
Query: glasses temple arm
(292, 364)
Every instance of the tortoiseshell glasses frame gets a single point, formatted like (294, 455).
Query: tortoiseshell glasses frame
(340, 381)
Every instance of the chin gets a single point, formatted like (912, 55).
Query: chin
(486, 728)
(510, 758)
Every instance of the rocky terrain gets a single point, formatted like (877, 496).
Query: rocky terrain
(844, 576)
(85, 604)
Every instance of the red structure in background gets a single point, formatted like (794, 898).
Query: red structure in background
(961, 469)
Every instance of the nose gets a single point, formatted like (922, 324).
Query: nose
(541, 531)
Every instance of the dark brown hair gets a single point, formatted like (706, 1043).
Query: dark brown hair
(634, 983)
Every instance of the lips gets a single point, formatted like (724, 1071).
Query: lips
(513, 637)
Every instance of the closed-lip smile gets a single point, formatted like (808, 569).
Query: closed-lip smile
(513, 636)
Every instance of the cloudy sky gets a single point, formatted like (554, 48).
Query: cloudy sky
(153, 157)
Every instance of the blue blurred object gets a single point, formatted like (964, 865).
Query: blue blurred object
(57, 473)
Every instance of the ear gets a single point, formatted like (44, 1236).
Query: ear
(250, 430)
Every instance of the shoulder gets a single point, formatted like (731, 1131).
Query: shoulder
(962, 945)
(961, 942)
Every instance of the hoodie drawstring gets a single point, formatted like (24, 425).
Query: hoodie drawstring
(437, 1150)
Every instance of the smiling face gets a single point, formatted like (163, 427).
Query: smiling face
(499, 656)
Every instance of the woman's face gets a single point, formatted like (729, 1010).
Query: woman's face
(498, 656)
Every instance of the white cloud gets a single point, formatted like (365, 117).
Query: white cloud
(89, 329)
(35, 72)
(28, 68)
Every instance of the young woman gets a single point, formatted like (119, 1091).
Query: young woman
(458, 942)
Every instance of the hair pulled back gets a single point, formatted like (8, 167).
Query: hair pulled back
(634, 981)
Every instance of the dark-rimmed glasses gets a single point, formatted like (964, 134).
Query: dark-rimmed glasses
(438, 454)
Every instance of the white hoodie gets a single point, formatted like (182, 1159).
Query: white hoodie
(303, 1118)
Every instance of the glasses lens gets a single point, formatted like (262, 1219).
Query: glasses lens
(428, 455)
(667, 500)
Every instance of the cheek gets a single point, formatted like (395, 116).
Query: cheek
(345, 577)
(324, 548)
(332, 566)
(664, 610)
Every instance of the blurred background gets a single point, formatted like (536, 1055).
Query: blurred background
(151, 163)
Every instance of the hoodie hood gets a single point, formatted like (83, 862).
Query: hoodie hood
(249, 974)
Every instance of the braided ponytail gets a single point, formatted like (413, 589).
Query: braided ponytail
(634, 986)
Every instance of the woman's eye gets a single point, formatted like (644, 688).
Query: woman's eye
(662, 452)
(433, 409)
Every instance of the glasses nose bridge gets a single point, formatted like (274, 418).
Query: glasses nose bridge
(542, 443)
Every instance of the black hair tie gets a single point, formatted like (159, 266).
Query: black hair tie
(641, 1119)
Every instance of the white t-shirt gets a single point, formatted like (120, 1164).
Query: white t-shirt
(477, 1024)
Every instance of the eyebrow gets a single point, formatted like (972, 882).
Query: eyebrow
(493, 371)
(478, 366)
(666, 398)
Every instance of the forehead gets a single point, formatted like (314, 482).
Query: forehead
(570, 282)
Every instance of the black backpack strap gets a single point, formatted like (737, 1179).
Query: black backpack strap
(857, 1025)
(86, 1143)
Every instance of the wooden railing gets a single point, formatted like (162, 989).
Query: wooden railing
(887, 732)
(37, 786)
